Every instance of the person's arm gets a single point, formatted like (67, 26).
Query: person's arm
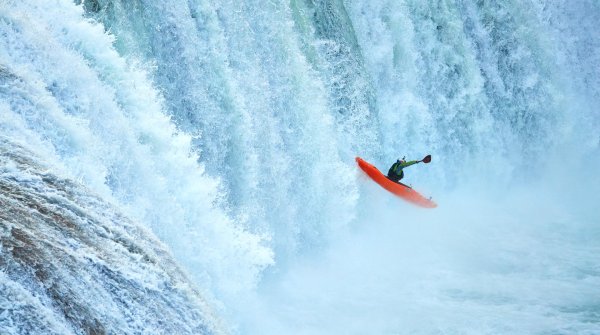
(409, 163)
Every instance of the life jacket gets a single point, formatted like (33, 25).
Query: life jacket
(396, 169)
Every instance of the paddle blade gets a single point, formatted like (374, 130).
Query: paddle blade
(427, 159)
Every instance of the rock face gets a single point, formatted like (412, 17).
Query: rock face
(70, 263)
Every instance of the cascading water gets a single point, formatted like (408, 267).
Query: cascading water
(229, 128)
(72, 263)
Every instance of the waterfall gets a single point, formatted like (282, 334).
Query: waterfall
(229, 129)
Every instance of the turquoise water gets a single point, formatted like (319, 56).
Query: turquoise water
(229, 128)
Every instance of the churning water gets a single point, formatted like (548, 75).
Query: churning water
(229, 129)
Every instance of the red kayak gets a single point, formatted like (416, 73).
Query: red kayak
(398, 189)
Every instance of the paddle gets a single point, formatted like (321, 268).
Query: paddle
(427, 159)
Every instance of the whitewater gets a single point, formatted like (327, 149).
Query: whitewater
(188, 167)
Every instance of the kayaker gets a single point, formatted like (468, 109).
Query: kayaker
(396, 172)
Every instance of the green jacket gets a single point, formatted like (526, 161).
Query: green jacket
(397, 167)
